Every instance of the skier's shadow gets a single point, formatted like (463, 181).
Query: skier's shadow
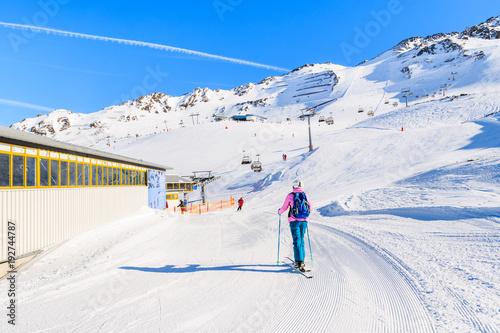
(192, 268)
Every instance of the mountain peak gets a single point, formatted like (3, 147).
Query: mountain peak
(486, 30)
(490, 29)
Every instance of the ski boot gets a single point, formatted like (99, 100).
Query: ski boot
(300, 266)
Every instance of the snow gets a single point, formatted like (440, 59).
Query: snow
(405, 237)
(405, 231)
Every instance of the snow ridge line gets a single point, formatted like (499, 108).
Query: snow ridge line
(394, 263)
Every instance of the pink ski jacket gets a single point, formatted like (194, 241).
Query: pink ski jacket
(289, 204)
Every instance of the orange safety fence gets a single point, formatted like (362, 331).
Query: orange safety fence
(206, 207)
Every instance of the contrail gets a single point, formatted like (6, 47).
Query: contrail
(138, 43)
(25, 105)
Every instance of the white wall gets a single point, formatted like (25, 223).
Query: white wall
(45, 217)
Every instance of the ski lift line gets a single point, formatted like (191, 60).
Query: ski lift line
(314, 107)
(269, 146)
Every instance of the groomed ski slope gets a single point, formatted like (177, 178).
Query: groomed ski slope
(405, 237)
(156, 272)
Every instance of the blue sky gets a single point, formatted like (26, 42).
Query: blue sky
(41, 72)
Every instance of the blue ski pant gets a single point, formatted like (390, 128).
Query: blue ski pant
(298, 229)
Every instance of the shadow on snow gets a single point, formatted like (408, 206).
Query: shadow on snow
(440, 213)
(488, 137)
(192, 268)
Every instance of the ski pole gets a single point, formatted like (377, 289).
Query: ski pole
(279, 233)
(309, 239)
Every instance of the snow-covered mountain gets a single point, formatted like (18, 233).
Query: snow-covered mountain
(405, 225)
(458, 67)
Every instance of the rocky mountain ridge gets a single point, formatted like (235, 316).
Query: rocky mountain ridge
(330, 86)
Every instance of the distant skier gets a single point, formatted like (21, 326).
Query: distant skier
(284, 157)
(240, 204)
(300, 207)
(181, 206)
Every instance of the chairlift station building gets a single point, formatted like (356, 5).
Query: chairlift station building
(51, 191)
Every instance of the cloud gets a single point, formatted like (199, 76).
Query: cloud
(139, 43)
(25, 105)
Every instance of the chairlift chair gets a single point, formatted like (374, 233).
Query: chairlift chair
(371, 113)
(256, 165)
(246, 160)
(329, 121)
(321, 119)
(361, 110)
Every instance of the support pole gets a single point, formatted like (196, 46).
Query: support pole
(310, 139)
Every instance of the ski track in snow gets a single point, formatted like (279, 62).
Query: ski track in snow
(388, 293)
(234, 287)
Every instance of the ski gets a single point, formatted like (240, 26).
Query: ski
(297, 270)
(293, 262)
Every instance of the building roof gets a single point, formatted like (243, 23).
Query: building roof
(16, 137)
(244, 117)
(176, 179)
(256, 115)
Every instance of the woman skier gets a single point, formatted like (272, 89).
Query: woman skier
(300, 207)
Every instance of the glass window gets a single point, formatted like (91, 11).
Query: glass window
(105, 176)
(99, 175)
(72, 174)
(31, 163)
(130, 180)
(54, 173)
(115, 176)
(79, 174)
(94, 175)
(64, 173)
(87, 175)
(110, 176)
(44, 172)
(4, 170)
(17, 171)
